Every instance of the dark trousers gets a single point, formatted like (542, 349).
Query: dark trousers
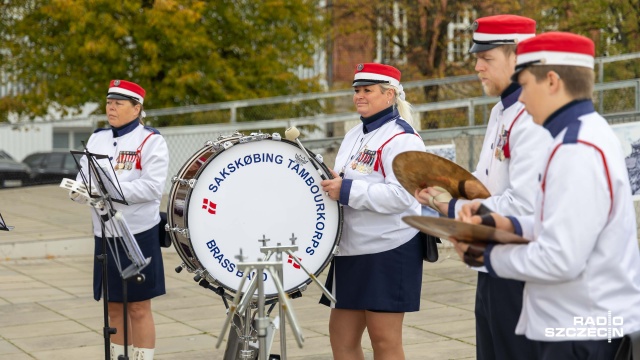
(498, 306)
(579, 350)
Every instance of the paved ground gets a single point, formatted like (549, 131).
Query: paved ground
(47, 310)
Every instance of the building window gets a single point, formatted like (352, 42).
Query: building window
(78, 138)
(459, 36)
(391, 37)
(60, 141)
(71, 139)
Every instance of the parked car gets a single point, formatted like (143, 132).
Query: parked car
(51, 167)
(12, 173)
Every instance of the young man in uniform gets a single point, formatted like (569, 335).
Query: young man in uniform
(582, 269)
(508, 167)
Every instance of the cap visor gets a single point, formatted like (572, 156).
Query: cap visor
(476, 48)
(366, 83)
(514, 77)
(119, 97)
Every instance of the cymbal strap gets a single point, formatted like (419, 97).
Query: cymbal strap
(461, 189)
(488, 220)
(483, 209)
(472, 261)
(474, 251)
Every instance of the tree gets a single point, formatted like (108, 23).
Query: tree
(63, 53)
(426, 48)
(614, 26)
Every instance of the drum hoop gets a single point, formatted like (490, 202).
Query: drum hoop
(208, 276)
(192, 263)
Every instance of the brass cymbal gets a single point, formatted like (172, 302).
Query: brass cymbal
(418, 170)
(446, 228)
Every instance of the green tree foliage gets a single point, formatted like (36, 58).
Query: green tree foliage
(614, 26)
(63, 53)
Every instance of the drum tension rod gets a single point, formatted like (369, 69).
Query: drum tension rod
(217, 290)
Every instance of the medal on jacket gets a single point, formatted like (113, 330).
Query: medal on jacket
(120, 162)
(130, 156)
(502, 139)
(125, 161)
(364, 161)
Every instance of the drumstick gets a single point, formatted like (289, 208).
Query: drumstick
(292, 134)
(312, 277)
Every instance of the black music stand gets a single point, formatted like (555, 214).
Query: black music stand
(3, 225)
(109, 192)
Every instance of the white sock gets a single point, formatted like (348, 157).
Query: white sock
(116, 350)
(131, 350)
(143, 354)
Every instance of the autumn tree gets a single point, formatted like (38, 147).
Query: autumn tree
(62, 53)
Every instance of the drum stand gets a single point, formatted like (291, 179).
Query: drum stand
(109, 191)
(241, 303)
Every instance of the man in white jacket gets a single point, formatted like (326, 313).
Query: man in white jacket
(582, 267)
(508, 166)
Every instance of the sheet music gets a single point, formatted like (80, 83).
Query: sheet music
(99, 175)
(104, 174)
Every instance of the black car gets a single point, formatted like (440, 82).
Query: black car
(12, 173)
(51, 167)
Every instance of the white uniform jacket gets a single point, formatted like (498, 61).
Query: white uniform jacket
(374, 201)
(583, 261)
(510, 161)
(142, 188)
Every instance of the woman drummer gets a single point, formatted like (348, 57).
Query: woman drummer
(377, 275)
(140, 160)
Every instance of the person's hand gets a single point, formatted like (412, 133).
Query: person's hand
(434, 197)
(332, 186)
(471, 254)
(469, 213)
(78, 197)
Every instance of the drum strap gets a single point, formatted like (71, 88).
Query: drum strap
(378, 164)
(139, 152)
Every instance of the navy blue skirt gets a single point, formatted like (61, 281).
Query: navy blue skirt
(153, 284)
(390, 281)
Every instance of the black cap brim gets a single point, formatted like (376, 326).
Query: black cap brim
(476, 48)
(120, 97)
(514, 77)
(364, 83)
(521, 67)
(367, 82)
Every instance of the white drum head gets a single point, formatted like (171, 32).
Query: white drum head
(261, 190)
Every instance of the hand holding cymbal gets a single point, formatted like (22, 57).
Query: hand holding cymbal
(417, 170)
(462, 231)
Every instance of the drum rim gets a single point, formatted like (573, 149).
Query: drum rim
(191, 263)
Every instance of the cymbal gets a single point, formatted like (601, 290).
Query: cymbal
(419, 169)
(446, 228)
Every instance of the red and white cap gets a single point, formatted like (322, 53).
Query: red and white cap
(492, 31)
(555, 48)
(373, 73)
(125, 90)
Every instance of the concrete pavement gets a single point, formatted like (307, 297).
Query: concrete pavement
(47, 310)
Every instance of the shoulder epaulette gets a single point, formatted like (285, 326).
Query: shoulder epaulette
(153, 130)
(405, 126)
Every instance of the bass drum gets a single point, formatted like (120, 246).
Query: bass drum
(240, 193)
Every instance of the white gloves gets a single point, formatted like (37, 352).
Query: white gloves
(78, 193)
(78, 197)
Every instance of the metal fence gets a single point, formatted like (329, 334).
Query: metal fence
(622, 100)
